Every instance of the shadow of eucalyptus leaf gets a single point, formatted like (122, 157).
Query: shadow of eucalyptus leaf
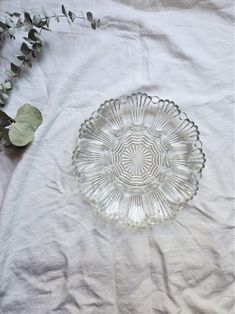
(5, 120)
(5, 137)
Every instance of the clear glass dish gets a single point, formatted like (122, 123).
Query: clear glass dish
(138, 159)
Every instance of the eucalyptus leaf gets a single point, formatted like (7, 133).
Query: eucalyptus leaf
(19, 23)
(63, 10)
(4, 96)
(21, 133)
(30, 114)
(21, 58)
(27, 17)
(25, 49)
(3, 25)
(33, 34)
(36, 47)
(7, 85)
(37, 20)
(15, 68)
(93, 24)
(28, 23)
(89, 16)
(72, 16)
(47, 22)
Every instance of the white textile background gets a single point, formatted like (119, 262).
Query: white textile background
(56, 254)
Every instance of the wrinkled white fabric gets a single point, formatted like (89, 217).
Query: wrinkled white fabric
(56, 254)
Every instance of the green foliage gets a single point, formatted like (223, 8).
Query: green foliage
(4, 88)
(22, 128)
(30, 114)
(40, 21)
(20, 131)
(94, 22)
(33, 24)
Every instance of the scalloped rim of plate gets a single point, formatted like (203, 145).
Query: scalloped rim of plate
(149, 220)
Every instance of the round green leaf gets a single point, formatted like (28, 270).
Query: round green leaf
(25, 49)
(7, 85)
(30, 114)
(21, 133)
(15, 68)
(33, 34)
(89, 16)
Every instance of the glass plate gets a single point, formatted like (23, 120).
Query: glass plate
(138, 159)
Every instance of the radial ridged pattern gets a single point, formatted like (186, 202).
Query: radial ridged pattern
(138, 159)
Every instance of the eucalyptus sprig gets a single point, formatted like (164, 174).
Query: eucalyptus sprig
(33, 43)
(20, 131)
(25, 20)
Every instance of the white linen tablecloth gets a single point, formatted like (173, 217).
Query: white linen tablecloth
(56, 254)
